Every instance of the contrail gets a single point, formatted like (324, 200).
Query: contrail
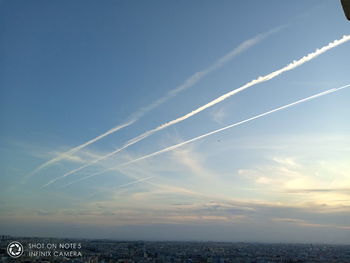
(294, 64)
(196, 77)
(188, 83)
(134, 182)
(79, 147)
(173, 147)
(124, 185)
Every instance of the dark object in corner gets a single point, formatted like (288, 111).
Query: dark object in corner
(346, 7)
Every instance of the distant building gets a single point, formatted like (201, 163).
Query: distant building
(5, 237)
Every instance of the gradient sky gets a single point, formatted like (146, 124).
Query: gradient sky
(72, 70)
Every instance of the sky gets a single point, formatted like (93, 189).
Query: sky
(100, 101)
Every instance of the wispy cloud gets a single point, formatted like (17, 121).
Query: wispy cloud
(188, 83)
(294, 64)
(173, 147)
(302, 180)
(191, 160)
(218, 115)
(320, 190)
(304, 223)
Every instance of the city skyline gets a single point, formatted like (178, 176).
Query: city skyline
(175, 120)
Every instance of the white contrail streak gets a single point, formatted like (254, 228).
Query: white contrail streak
(188, 83)
(79, 147)
(294, 64)
(173, 147)
(196, 77)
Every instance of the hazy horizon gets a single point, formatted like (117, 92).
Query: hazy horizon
(115, 239)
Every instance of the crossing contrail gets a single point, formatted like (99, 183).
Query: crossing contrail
(79, 147)
(173, 147)
(290, 66)
(130, 183)
(188, 83)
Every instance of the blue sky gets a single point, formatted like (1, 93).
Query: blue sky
(72, 70)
